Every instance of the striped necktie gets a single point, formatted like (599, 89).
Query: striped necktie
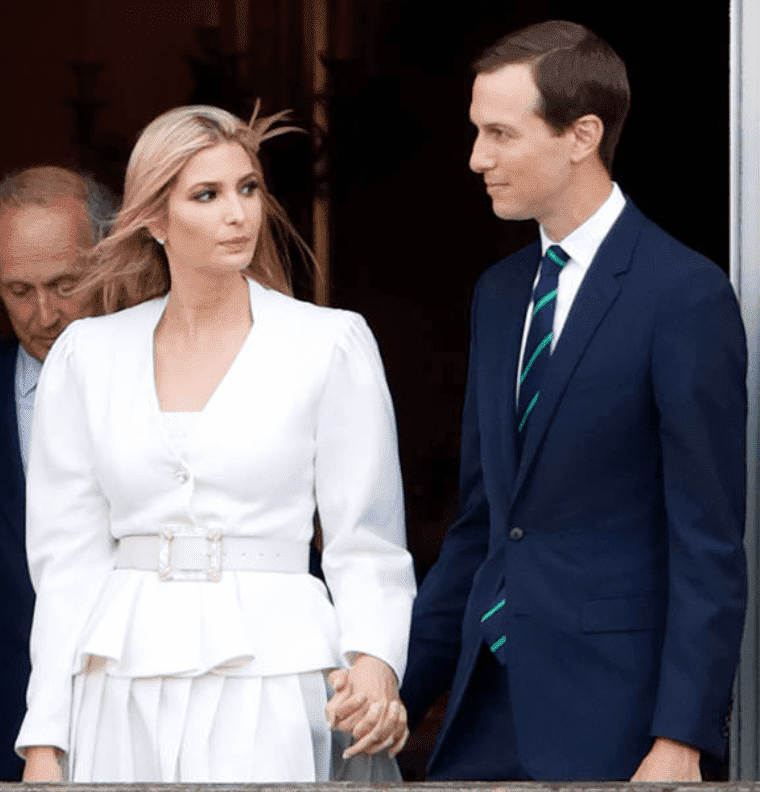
(540, 335)
(494, 622)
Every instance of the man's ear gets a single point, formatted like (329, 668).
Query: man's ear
(587, 132)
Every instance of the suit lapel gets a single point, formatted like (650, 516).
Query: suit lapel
(595, 297)
(11, 469)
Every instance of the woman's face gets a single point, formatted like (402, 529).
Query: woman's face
(214, 212)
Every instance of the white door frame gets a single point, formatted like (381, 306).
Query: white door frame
(745, 276)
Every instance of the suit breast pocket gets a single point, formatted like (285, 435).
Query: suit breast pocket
(624, 614)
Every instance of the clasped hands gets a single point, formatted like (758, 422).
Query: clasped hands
(366, 704)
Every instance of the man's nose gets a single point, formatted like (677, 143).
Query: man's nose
(48, 309)
(481, 158)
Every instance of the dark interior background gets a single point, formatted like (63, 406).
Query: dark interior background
(411, 228)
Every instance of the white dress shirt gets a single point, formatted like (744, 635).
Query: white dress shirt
(581, 245)
(27, 373)
(302, 418)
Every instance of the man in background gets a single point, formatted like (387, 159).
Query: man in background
(48, 218)
(586, 608)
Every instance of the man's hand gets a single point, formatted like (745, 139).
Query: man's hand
(669, 760)
(366, 703)
(43, 765)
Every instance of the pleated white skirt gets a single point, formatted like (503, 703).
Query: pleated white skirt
(208, 728)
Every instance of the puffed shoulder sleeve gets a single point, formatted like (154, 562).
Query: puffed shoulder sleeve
(360, 502)
(68, 542)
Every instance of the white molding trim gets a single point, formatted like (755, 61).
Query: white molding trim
(745, 277)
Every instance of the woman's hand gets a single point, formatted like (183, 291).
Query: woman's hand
(366, 703)
(43, 765)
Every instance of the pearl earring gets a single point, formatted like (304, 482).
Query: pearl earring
(159, 240)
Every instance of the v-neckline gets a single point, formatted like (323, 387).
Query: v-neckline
(157, 409)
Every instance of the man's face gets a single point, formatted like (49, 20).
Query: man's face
(525, 164)
(39, 250)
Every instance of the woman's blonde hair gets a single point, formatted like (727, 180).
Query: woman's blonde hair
(129, 265)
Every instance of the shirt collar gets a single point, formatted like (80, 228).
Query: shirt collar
(27, 372)
(582, 243)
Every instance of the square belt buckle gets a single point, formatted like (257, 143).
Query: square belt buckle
(168, 568)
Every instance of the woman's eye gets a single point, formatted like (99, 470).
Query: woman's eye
(206, 195)
(250, 188)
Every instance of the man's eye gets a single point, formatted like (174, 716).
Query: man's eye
(65, 287)
(19, 291)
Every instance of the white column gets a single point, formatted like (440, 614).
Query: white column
(745, 276)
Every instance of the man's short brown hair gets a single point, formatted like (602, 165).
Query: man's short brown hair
(576, 74)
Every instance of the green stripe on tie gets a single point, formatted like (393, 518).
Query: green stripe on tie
(539, 349)
(499, 643)
(527, 412)
(493, 610)
(555, 258)
(545, 299)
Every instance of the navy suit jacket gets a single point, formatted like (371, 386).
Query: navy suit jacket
(16, 594)
(626, 583)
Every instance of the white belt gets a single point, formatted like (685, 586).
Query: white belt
(180, 557)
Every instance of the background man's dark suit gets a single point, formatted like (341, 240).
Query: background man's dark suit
(16, 595)
(46, 215)
(619, 532)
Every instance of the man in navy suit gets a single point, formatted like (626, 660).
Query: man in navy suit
(48, 217)
(587, 606)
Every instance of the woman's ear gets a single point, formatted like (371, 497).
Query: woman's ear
(157, 231)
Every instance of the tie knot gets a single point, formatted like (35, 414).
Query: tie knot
(554, 260)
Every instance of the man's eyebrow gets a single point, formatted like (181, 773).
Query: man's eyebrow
(492, 125)
(497, 125)
(58, 278)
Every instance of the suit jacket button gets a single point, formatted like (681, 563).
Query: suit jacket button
(516, 534)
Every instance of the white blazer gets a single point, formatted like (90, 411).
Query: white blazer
(303, 419)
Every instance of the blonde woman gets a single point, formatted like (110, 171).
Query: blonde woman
(180, 449)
